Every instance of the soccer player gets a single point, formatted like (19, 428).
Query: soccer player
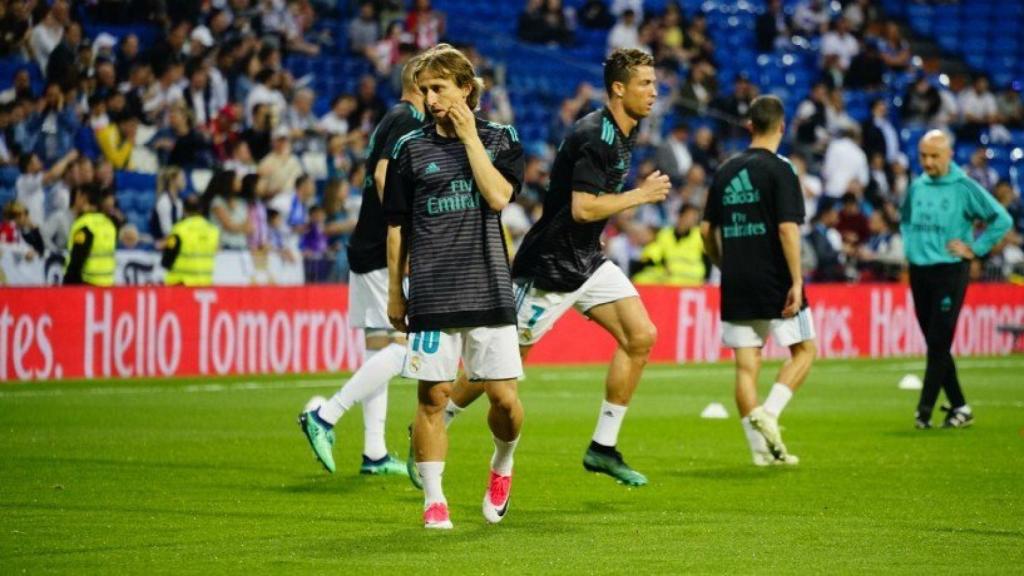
(751, 232)
(560, 264)
(938, 225)
(368, 303)
(446, 186)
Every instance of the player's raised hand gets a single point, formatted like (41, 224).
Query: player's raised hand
(654, 188)
(463, 121)
(396, 311)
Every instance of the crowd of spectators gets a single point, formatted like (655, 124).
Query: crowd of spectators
(853, 171)
(211, 109)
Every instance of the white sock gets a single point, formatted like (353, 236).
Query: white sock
(777, 399)
(754, 438)
(378, 369)
(966, 408)
(501, 462)
(431, 473)
(609, 420)
(375, 414)
(450, 412)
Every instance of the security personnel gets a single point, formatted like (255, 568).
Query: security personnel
(190, 249)
(939, 220)
(91, 242)
(676, 256)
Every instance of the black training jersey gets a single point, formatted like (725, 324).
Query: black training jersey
(459, 273)
(367, 248)
(558, 253)
(750, 195)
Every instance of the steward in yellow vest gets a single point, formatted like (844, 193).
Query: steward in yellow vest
(91, 242)
(191, 248)
(676, 256)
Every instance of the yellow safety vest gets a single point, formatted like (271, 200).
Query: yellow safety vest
(99, 265)
(194, 264)
(674, 261)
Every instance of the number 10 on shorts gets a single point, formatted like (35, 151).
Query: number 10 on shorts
(426, 342)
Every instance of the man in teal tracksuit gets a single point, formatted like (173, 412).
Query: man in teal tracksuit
(938, 220)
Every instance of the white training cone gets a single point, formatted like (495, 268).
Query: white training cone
(715, 411)
(911, 382)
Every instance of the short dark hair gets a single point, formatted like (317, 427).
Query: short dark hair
(24, 159)
(686, 207)
(766, 112)
(192, 204)
(620, 65)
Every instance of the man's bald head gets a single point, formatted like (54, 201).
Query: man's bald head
(935, 151)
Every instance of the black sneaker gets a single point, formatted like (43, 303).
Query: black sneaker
(922, 421)
(957, 417)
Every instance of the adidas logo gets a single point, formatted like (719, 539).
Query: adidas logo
(740, 190)
(431, 169)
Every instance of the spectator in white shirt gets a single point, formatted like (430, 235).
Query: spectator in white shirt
(625, 33)
(620, 6)
(164, 93)
(49, 32)
(810, 186)
(810, 17)
(845, 162)
(303, 125)
(978, 107)
(265, 92)
(31, 185)
(840, 42)
(336, 121)
(673, 156)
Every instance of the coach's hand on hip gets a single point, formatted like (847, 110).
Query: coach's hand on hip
(959, 248)
(396, 312)
(794, 300)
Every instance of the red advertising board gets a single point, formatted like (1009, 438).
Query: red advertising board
(51, 333)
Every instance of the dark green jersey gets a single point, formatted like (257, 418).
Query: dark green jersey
(558, 253)
(459, 273)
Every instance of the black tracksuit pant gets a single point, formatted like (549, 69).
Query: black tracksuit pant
(938, 296)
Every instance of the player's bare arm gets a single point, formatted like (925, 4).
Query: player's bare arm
(711, 242)
(588, 207)
(494, 188)
(398, 257)
(380, 173)
(789, 235)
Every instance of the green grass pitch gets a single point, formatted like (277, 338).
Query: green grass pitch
(214, 477)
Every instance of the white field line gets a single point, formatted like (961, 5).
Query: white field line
(583, 373)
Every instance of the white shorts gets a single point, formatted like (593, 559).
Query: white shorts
(538, 310)
(751, 333)
(368, 300)
(487, 353)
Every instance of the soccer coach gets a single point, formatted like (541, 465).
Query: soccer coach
(938, 218)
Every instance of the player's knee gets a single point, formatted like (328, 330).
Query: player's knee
(806, 350)
(433, 398)
(640, 341)
(503, 396)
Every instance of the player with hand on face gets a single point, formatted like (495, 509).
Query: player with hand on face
(446, 186)
(560, 264)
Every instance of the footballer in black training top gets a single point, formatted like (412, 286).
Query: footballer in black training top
(751, 232)
(560, 264)
(368, 304)
(446, 186)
